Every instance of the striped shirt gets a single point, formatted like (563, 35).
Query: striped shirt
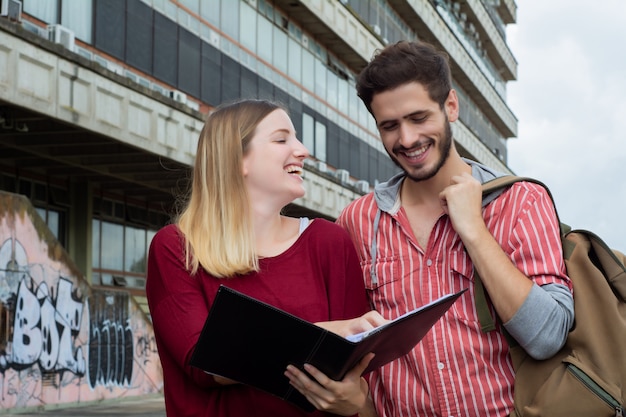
(456, 370)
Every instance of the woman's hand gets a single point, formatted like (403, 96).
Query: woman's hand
(346, 397)
(344, 328)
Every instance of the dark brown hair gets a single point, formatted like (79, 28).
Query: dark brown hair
(402, 63)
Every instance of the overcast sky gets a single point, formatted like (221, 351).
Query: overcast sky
(570, 100)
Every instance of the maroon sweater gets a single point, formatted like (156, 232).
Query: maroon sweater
(318, 279)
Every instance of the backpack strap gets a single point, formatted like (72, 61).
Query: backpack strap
(487, 323)
(480, 295)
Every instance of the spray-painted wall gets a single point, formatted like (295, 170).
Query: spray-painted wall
(60, 340)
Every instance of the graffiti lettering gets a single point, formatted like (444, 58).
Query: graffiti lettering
(146, 347)
(110, 340)
(44, 329)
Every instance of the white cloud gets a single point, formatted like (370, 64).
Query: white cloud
(570, 99)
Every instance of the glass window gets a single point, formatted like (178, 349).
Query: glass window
(210, 11)
(342, 95)
(41, 212)
(364, 115)
(331, 89)
(308, 70)
(150, 235)
(280, 50)
(295, 31)
(192, 5)
(51, 219)
(229, 22)
(247, 32)
(353, 103)
(320, 79)
(265, 9)
(112, 249)
(55, 220)
(134, 250)
(165, 6)
(77, 16)
(320, 141)
(264, 39)
(308, 134)
(45, 10)
(295, 60)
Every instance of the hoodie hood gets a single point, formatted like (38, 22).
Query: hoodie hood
(387, 193)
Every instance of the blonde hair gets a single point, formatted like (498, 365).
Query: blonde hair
(216, 221)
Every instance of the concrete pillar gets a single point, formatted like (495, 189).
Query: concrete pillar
(80, 230)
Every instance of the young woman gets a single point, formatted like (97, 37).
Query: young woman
(248, 167)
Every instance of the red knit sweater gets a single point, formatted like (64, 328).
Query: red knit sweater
(318, 279)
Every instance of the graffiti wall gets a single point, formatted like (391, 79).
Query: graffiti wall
(60, 340)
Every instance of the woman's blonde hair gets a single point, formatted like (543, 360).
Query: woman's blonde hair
(216, 221)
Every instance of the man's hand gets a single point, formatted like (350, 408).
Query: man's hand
(462, 201)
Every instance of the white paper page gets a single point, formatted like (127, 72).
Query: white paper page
(360, 336)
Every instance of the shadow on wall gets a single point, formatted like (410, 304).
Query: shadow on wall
(60, 340)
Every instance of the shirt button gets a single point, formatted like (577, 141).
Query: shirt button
(440, 365)
(429, 262)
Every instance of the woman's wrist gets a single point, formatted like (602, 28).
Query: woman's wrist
(368, 410)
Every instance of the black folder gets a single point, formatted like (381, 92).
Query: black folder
(252, 342)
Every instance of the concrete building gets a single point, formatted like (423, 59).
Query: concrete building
(101, 104)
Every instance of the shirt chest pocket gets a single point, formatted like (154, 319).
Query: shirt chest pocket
(460, 277)
(461, 271)
(380, 277)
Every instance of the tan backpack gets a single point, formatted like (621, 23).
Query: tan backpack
(587, 377)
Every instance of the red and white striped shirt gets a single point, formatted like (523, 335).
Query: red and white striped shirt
(456, 370)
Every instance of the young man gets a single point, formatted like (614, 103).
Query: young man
(423, 233)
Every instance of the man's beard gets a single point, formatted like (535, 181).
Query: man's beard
(444, 149)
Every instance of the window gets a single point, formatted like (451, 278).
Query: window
(229, 22)
(77, 16)
(320, 79)
(308, 70)
(265, 46)
(331, 89)
(295, 61)
(192, 5)
(74, 15)
(280, 50)
(120, 253)
(210, 11)
(50, 202)
(343, 90)
(134, 249)
(112, 246)
(308, 133)
(247, 32)
(314, 136)
(55, 219)
(320, 141)
(44, 10)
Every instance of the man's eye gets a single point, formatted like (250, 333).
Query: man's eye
(389, 127)
(418, 119)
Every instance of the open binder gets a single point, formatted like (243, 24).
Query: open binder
(252, 342)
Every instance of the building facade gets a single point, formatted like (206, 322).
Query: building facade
(102, 102)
